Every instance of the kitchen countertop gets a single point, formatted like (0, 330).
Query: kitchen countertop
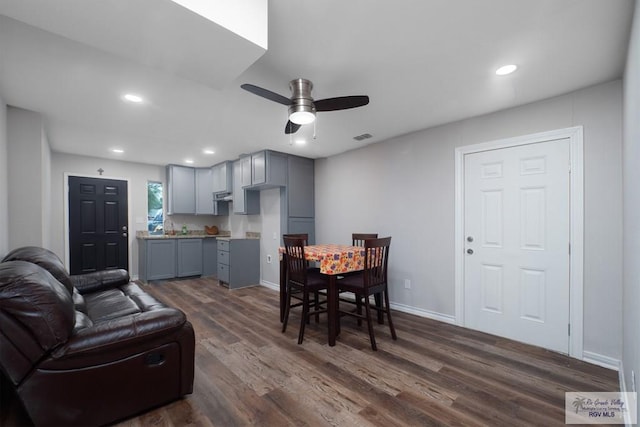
(191, 235)
(143, 235)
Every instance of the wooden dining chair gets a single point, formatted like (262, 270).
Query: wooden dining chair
(305, 238)
(357, 239)
(301, 284)
(310, 269)
(372, 280)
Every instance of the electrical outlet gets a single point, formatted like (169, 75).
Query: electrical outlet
(268, 259)
(407, 284)
(275, 236)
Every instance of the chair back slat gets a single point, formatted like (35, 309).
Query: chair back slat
(376, 260)
(303, 236)
(296, 264)
(357, 239)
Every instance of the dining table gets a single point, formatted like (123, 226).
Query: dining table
(334, 260)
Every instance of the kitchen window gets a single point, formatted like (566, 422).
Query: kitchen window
(155, 214)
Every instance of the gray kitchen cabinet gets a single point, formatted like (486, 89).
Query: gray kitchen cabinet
(205, 202)
(157, 259)
(209, 257)
(238, 262)
(189, 257)
(300, 187)
(245, 171)
(204, 191)
(181, 193)
(268, 169)
(245, 202)
(297, 210)
(222, 177)
(303, 226)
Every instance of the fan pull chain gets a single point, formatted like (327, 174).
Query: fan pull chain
(314, 128)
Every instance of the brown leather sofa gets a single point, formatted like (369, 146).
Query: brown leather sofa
(89, 349)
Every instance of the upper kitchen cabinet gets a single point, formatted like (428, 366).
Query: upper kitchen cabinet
(222, 177)
(268, 169)
(181, 190)
(301, 187)
(246, 202)
(204, 191)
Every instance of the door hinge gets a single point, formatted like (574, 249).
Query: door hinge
(569, 329)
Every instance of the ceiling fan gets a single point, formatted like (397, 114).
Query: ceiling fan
(302, 107)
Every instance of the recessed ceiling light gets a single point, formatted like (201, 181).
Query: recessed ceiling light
(208, 151)
(188, 161)
(506, 69)
(117, 150)
(131, 97)
(300, 141)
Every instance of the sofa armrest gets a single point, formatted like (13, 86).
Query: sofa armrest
(100, 280)
(126, 332)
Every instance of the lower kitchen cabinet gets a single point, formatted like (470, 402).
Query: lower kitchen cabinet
(157, 259)
(189, 257)
(168, 258)
(209, 257)
(239, 262)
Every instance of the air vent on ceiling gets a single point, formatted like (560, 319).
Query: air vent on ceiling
(362, 137)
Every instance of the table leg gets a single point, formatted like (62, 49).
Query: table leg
(283, 286)
(332, 309)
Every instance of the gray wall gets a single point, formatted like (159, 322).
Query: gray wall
(29, 160)
(404, 188)
(4, 181)
(631, 183)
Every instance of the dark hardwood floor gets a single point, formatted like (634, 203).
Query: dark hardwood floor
(248, 373)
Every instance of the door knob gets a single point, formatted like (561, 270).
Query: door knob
(470, 239)
(124, 234)
(470, 251)
(124, 228)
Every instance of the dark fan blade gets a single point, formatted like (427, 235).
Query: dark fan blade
(341, 103)
(291, 127)
(272, 96)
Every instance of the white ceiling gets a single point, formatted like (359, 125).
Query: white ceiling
(422, 63)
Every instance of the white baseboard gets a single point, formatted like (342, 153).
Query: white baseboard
(446, 318)
(601, 360)
(270, 285)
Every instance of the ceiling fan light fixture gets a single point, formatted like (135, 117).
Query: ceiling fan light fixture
(302, 117)
(302, 112)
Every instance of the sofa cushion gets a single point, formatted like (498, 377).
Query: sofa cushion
(37, 301)
(110, 304)
(44, 258)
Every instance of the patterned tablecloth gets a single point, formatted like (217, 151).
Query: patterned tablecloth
(335, 259)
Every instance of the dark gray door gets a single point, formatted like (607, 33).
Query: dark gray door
(98, 225)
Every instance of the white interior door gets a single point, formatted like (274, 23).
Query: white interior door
(516, 230)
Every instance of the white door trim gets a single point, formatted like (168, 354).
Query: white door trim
(576, 239)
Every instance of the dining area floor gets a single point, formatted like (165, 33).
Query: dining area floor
(249, 373)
